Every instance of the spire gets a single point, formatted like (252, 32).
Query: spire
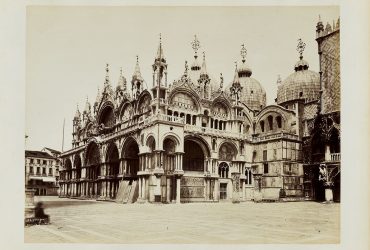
(236, 75)
(221, 81)
(106, 74)
(195, 45)
(121, 81)
(87, 106)
(137, 73)
(97, 100)
(78, 114)
(160, 55)
(300, 48)
(203, 70)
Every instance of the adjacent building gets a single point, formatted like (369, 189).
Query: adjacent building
(197, 139)
(42, 171)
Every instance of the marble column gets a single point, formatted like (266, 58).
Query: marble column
(178, 190)
(168, 193)
(140, 187)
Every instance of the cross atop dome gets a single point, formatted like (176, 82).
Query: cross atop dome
(300, 48)
(243, 53)
(195, 44)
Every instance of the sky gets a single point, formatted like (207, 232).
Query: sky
(67, 49)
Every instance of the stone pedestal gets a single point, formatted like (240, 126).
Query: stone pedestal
(29, 209)
(328, 194)
(236, 187)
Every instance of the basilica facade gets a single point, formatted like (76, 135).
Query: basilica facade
(194, 139)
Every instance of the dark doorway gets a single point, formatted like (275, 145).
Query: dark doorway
(223, 191)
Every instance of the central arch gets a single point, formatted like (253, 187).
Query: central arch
(130, 155)
(195, 153)
(77, 166)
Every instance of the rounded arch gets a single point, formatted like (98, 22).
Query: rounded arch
(187, 92)
(227, 151)
(106, 114)
(126, 111)
(92, 154)
(277, 110)
(203, 143)
(223, 170)
(112, 159)
(143, 104)
(130, 155)
(173, 137)
(150, 142)
(77, 164)
(221, 102)
(68, 164)
(196, 151)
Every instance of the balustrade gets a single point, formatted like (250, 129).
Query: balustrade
(335, 157)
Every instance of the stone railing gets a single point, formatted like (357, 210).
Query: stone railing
(211, 131)
(275, 136)
(335, 157)
(161, 101)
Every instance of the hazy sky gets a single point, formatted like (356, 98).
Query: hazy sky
(67, 49)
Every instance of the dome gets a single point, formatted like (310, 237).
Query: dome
(252, 93)
(302, 84)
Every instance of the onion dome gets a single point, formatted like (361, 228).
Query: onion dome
(122, 83)
(252, 94)
(302, 84)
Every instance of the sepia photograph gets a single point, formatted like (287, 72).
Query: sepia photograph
(200, 125)
(176, 125)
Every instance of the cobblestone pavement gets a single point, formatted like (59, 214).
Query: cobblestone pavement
(75, 221)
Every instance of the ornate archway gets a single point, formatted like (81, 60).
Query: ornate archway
(130, 155)
(195, 153)
(93, 163)
(112, 171)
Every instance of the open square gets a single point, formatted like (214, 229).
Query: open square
(76, 221)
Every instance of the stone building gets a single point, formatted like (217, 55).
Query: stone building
(194, 139)
(42, 172)
(321, 143)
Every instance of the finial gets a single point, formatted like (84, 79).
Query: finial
(160, 38)
(204, 56)
(236, 65)
(120, 71)
(243, 53)
(319, 18)
(107, 73)
(195, 45)
(186, 68)
(300, 48)
(137, 58)
(221, 81)
(278, 81)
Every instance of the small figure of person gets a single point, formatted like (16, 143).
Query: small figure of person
(39, 213)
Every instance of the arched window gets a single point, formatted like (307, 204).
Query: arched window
(248, 176)
(223, 170)
(278, 121)
(188, 119)
(262, 124)
(270, 119)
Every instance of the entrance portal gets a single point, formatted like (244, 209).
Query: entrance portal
(223, 191)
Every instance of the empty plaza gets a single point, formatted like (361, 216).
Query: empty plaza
(82, 221)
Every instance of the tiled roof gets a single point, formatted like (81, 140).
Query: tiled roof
(53, 150)
(38, 154)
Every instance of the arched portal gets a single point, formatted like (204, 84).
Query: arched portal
(112, 164)
(195, 154)
(93, 162)
(130, 155)
(67, 176)
(77, 165)
(107, 117)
